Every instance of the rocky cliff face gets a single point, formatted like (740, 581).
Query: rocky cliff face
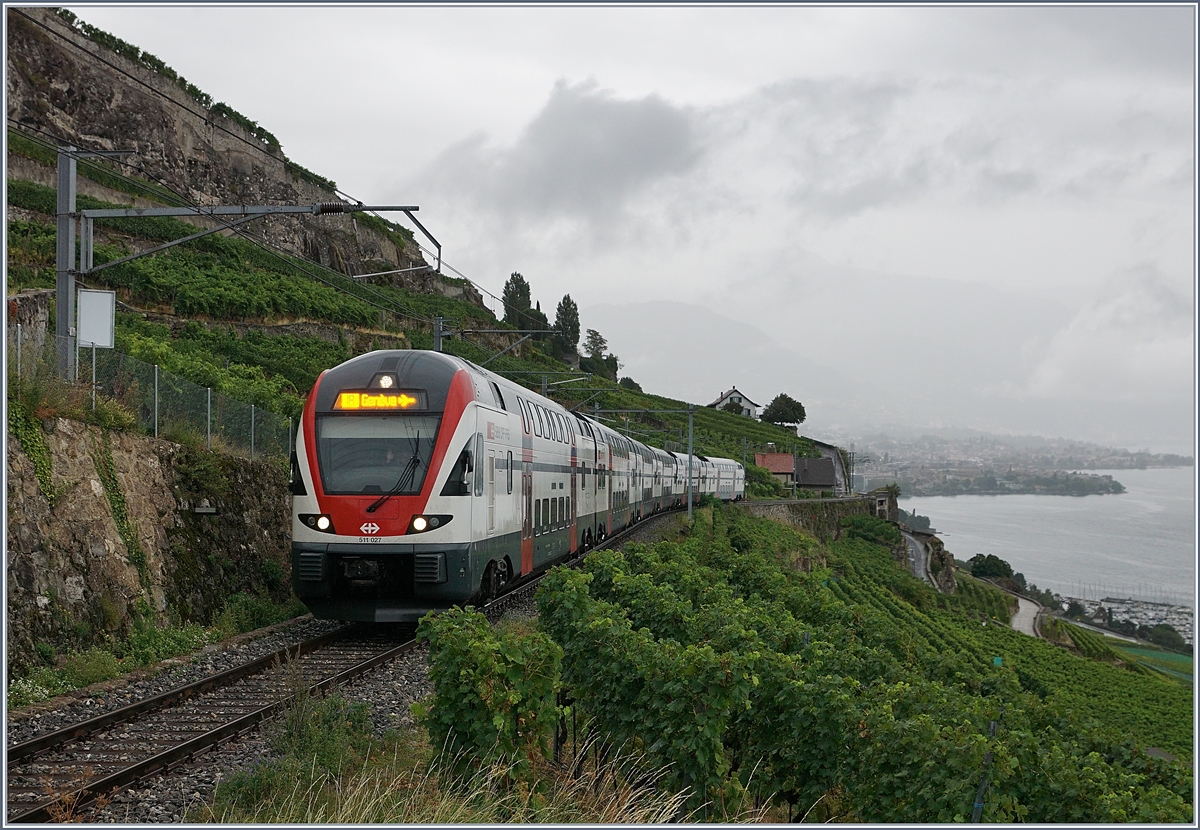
(119, 530)
(63, 84)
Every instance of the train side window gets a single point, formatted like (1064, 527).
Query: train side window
(562, 510)
(553, 514)
(499, 397)
(510, 472)
(296, 485)
(569, 514)
(545, 515)
(458, 484)
(537, 419)
(537, 517)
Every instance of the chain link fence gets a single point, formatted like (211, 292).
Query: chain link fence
(163, 404)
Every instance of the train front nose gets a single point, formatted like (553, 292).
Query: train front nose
(390, 583)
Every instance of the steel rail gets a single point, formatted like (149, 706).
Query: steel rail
(86, 795)
(82, 797)
(61, 737)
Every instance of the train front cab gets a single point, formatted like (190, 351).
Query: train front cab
(399, 510)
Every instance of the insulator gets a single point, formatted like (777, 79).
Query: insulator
(330, 207)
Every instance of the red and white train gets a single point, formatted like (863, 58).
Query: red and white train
(422, 481)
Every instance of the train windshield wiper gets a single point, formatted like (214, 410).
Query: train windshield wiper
(406, 477)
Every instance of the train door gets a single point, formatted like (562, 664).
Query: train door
(491, 492)
(527, 518)
(573, 507)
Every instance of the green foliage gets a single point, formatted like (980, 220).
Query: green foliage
(28, 431)
(630, 383)
(594, 344)
(517, 301)
(784, 409)
(494, 690)
(990, 565)
(832, 690)
(605, 367)
(329, 732)
(1090, 644)
(914, 521)
(1166, 636)
(566, 324)
(103, 462)
(147, 643)
(246, 612)
(872, 529)
(91, 666)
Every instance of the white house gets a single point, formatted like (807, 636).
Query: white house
(749, 407)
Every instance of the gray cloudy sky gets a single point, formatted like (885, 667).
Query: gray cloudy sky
(972, 216)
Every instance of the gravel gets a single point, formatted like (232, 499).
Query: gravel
(65, 710)
(389, 691)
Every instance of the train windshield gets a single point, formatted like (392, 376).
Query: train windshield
(375, 453)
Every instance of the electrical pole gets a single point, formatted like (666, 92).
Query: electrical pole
(437, 334)
(64, 297)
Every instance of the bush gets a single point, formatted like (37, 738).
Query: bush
(872, 529)
(494, 690)
(244, 612)
(91, 666)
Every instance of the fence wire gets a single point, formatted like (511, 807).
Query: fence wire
(163, 404)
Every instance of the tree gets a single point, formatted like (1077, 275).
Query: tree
(784, 410)
(594, 344)
(516, 297)
(630, 383)
(536, 319)
(990, 565)
(566, 323)
(733, 406)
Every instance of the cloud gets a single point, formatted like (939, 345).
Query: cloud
(1133, 342)
(584, 157)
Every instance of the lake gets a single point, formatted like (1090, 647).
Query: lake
(1140, 544)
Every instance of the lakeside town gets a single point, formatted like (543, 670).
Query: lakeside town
(963, 463)
(1112, 612)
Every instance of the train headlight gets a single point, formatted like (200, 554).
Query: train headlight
(423, 524)
(317, 521)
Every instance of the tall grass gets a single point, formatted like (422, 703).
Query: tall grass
(327, 767)
(402, 781)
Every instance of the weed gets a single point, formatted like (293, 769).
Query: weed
(245, 612)
(91, 666)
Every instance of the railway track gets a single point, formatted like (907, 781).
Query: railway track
(54, 776)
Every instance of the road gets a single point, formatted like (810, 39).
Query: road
(1027, 611)
(918, 559)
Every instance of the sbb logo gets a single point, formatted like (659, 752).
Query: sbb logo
(369, 528)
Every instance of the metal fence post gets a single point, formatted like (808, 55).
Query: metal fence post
(289, 444)
(155, 400)
(251, 432)
(208, 425)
